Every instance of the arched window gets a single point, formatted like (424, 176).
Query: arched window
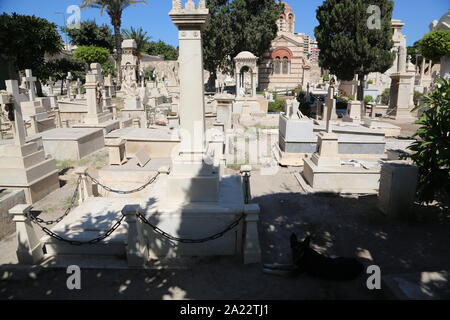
(286, 66)
(277, 65)
(291, 23)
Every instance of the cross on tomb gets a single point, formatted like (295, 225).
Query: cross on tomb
(30, 80)
(12, 87)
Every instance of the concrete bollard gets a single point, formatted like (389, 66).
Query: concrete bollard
(252, 249)
(137, 251)
(117, 152)
(397, 190)
(29, 249)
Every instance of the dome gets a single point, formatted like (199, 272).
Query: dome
(246, 55)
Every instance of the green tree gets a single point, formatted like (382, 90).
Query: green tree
(435, 45)
(114, 8)
(238, 25)
(140, 36)
(348, 46)
(90, 34)
(90, 54)
(59, 68)
(25, 40)
(160, 48)
(431, 151)
(414, 52)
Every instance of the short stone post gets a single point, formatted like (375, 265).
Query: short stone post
(29, 249)
(85, 187)
(58, 118)
(34, 125)
(116, 149)
(137, 251)
(398, 182)
(252, 250)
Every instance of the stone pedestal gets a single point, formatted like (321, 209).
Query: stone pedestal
(401, 103)
(398, 184)
(354, 111)
(327, 154)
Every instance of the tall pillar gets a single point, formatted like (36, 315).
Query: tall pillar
(91, 99)
(192, 178)
(190, 21)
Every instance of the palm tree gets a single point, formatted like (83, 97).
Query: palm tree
(140, 36)
(114, 8)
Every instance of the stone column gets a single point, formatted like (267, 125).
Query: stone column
(401, 59)
(190, 22)
(29, 249)
(91, 99)
(69, 79)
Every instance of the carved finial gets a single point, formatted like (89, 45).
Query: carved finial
(202, 4)
(176, 4)
(190, 5)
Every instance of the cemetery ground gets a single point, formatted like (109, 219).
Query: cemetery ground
(339, 226)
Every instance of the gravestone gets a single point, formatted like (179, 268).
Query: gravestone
(142, 158)
(23, 165)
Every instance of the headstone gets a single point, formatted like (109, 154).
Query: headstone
(142, 158)
(354, 111)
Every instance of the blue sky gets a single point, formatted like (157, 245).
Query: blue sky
(416, 14)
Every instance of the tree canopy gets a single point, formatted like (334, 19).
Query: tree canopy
(238, 25)
(140, 36)
(90, 54)
(354, 38)
(160, 48)
(114, 8)
(25, 40)
(435, 44)
(91, 34)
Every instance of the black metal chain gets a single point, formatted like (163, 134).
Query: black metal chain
(72, 202)
(139, 215)
(170, 237)
(109, 189)
(90, 242)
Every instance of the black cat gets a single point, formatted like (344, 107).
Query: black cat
(309, 261)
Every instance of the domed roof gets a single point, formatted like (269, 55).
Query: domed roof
(246, 55)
